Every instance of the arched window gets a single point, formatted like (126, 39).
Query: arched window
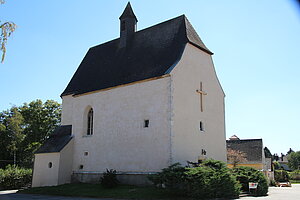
(90, 122)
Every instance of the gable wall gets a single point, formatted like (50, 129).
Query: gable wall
(120, 141)
(187, 140)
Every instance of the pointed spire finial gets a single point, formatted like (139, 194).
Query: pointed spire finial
(128, 12)
(128, 22)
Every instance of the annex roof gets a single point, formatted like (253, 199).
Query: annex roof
(152, 52)
(57, 141)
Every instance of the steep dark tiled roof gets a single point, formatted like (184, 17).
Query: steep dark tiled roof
(253, 148)
(152, 52)
(57, 141)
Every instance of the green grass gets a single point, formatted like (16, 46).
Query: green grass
(96, 190)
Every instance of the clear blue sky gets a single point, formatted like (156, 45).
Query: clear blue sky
(256, 45)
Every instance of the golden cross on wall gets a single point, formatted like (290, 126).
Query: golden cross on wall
(201, 92)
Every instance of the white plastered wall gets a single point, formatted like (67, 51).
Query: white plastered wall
(61, 169)
(66, 162)
(42, 174)
(120, 141)
(188, 141)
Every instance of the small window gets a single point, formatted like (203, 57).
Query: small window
(146, 123)
(86, 153)
(123, 26)
(201, 127)
(50, 164)
(203, 152)
(80, 166)
(90, 122)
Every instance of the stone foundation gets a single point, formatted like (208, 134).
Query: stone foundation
(139, 179)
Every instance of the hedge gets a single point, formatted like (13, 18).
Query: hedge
(211, 179)
(247, 174)
(14, 177)
(295, 175)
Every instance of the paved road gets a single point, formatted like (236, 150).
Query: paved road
(275, 193)
(280, 193)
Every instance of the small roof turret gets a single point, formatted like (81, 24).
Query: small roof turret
(128, 13)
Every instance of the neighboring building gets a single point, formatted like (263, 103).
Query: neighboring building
(137, 104)
(283, 161)
(254, 154)
(253, 150)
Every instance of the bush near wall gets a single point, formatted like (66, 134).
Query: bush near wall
(295, 175)
(14, 177)
(281, 176)
(211, 179)
(248, 174)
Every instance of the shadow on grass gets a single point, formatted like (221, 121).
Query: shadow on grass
(96, 190)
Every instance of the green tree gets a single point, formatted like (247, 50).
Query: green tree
(25, 128)
(40, 121)
(15, 131)
(290, 151)
(294, 160)
(12, 127)
(7, 28)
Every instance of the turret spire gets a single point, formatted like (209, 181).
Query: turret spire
(128, 22)
(128, 13)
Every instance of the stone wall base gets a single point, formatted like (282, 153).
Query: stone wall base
(124, 178)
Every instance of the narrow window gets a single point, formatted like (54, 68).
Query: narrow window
(201, 127)
(86, 153)
(50, 164)
(90, 122)
(146, 123)
(80, 166)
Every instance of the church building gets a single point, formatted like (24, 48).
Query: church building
(137, 104)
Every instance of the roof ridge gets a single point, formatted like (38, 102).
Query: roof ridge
(161, 23)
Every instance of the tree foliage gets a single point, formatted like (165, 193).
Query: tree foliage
(23, 129)
(235, 157)
(281, 176)
(7, 28)
(294, 160)
(290, 151)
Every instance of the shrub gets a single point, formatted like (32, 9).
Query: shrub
(14, 177)
(247, 174)
(281, 176)
(109, 179)
(171, 178)
(295, 175)
(211, 179)
(272, 183)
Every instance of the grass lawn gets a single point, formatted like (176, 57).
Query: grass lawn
(96, 190)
